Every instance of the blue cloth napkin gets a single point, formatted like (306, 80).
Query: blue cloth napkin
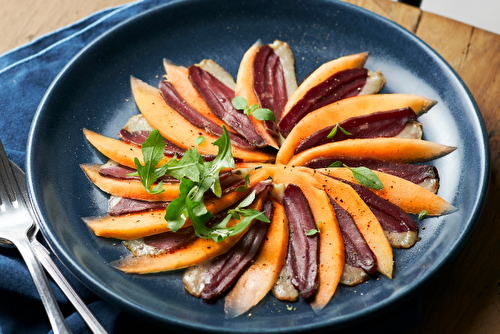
(25, 74)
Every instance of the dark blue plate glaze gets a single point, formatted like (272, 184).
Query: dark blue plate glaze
(93, 92)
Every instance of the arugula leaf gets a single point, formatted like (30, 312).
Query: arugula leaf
(190, 166)
(197, 177)
(152, 151)
(247, 201)
(366, 177)
(177, 212)
(224, 159)
(244, 187)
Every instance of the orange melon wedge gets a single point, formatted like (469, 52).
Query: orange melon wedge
(389, 149)
(331, 257)
(336, 112)
(198, 251)
(260, 277)
(177, 129)
(179, 77)
(405, 194)
(365, 220)
(138, 225)
(331, 261)
(117, 150)
(324, 72)
(244, 88)
(129, 188)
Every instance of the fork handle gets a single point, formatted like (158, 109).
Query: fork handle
(43, 256)
(57, 321)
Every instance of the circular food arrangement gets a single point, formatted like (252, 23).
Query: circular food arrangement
(259, 184)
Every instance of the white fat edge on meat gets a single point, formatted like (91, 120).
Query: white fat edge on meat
(137, 123)
(284, 289)
(217, 71)
(402, 239)
(194, 278)
(287, 60)
(139, 248)
(412, 130)
(431, 184)
(277, 191)
(374, 83)
(353, 275)
(237, 174)
(113, 201)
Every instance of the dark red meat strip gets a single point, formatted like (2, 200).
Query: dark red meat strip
(225, 269)
(172, 97)
(303, 250)
(357, 252)
(339, 86)
(269, 84)
(392, 217)
(171, 241)
(139, 137)
(379, 124)
(218, 97)
(129, 205)
(412, 173)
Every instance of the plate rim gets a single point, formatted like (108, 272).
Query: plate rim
(370, 312)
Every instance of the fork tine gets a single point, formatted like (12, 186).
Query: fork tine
(6, 192)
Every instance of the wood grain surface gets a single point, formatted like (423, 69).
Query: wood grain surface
(465, 298)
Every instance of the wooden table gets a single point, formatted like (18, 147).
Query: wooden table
(466, 297)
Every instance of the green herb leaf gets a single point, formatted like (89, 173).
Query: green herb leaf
(152, 151)
(312, 232)
(366, 177)
(344, 131)
(247, 201)
(335, 164)
(197, 177)
(334, 131)
(264, 114)
(422, 215)
(289, 307)
(239, 103)
(241, 189)
(177, 212)
(199, 140)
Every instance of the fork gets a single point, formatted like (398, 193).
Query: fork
(43, 255)
(16, 226)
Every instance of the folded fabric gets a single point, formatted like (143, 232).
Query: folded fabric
(25, 74)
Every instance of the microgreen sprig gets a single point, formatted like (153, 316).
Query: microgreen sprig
(196, 178)
(334, 131)
(362, 175)
(262, 114)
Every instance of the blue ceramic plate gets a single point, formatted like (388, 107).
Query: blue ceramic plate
(93, 92)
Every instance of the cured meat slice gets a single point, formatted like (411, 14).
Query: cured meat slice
(357, 252)
(379, 124)
(303, 248)
(174, 99)
(225, 269)
(218, 97)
